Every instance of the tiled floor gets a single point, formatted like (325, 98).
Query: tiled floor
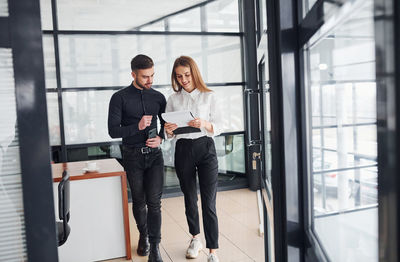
(239, 239)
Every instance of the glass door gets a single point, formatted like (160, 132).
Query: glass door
(266, 162)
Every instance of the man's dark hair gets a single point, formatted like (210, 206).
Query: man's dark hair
(141, 62)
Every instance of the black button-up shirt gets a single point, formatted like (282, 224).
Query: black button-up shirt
(127, 106)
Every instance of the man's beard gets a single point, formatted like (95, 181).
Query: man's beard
(140, 85)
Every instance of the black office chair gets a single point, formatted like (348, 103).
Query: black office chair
(63, 228)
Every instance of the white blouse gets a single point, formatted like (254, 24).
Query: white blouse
(203, 105)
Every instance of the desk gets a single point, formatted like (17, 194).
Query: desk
(99, 212)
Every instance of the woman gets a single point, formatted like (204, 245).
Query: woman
(196, 151)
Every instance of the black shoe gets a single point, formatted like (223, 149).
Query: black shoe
(143, 245)
(155, 255)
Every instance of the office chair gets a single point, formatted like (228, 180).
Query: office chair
(63, 228)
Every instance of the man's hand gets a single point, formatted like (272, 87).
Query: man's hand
(145, 122)
(169, 128)
(154, 142)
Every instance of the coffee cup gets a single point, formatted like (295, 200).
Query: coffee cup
(91, 166)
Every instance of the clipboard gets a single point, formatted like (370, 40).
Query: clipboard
(181, 118)
(186, 130)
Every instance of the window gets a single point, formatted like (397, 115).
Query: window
(341, 90)
(88, 66)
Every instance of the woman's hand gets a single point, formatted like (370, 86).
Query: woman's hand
(201, 123)
(197, 122)
(169, 128)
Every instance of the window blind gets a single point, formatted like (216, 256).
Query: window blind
(12, 227)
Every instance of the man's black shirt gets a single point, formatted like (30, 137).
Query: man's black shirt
(127, 106)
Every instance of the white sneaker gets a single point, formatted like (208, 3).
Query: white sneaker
(194, 248)
(212, 258)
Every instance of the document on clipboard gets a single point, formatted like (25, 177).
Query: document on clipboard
(181, 119)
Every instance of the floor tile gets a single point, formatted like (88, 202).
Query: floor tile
(239, 239)
(177, 251)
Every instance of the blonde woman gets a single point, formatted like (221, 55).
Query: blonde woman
(195, 152)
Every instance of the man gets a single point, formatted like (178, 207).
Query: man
(133, 115)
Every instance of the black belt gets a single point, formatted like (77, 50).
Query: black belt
(144, 150)
(147, 150)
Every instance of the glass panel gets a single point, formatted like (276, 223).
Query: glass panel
(170, 177)
(101, 15)
(230, 153)
(266, 118)
(328, 7)
(98, 60)
(267, 136)
(264, 12)
(85, 116)
(360, 189)
(46, 14)
(266, 157)
(53, 119)
(222, 60)
(186, 21)
(263, 15)
(231, 100)
(222, 16)
(307, 5)
(340, 70)
(49, 62)
(12, 224)
(157, 26)
(4, 8)
(94, 152)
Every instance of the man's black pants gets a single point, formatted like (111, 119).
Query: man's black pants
(192, 154)
(145, 173)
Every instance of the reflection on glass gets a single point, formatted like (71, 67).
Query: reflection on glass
(98, 60)
(85, 116)
(53, 119)
(342, 91)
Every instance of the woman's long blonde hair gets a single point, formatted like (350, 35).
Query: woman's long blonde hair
(198, 82)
